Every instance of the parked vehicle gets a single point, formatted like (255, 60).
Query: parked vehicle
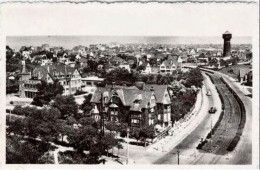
(208, 93)
(212, 110)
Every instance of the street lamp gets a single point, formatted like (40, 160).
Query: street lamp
(127, 130)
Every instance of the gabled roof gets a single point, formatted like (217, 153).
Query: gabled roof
(128, 96)
(159, 91)
(52, 70)
(244, 71)
(172, 60)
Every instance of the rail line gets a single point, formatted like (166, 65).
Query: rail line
(227, 129)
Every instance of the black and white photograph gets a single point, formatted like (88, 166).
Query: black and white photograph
(128, 84)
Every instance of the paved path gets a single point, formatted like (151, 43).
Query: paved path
(151, 154)
(187, 147)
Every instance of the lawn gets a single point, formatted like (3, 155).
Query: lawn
(235, 69)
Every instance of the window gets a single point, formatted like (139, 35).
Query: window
(165, 117)
(114, 112)
(135, 121)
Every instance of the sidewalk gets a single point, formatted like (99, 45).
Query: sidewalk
(181, 129)
(148, 155)
(151, 153)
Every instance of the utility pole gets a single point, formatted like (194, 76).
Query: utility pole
(210, 133)
(102, 119)
(127, 159)
(178, 155)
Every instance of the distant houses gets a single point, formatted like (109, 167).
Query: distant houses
(245, 76)
(68, 77)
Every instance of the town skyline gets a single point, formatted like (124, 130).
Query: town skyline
(16, 42)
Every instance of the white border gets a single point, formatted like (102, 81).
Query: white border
(11, 23)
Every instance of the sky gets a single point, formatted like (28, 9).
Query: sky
(71, 41)
(171, 23)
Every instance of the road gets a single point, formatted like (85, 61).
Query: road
(187, 147)
(151, 153)
(243, 151)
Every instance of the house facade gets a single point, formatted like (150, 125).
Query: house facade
(171, 64)
(68, 77)
(137, 107)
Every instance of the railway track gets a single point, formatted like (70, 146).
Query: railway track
(228, 127)
(229, 124)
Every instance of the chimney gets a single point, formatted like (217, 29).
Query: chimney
(113, 86)
(65, 71)
(24, 67)
(143, 86)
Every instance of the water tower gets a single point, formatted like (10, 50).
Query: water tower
(227, 46)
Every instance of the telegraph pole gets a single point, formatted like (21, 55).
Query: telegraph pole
(102, 119)
(178, 155)
(210, 133)
(127, 159)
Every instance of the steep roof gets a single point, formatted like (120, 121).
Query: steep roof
(52, 70)
(126, 95)
(171, 60)
(159, 91)
(244, 71)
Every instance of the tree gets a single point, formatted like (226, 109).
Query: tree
(139, 68)
(46, 158)
(135, 133)
(26, 152)
(108, 141)
(112, 126)
(147, 132)
(223, 63)
(87, 121)
(66, 105)
(86, 106)
(194, 77)
(120, 75)
(47, 92)
(83, 138)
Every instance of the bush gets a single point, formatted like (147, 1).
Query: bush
(201, 144)
(79, 92)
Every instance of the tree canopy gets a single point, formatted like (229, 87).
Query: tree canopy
(66, 105)
(47, 92)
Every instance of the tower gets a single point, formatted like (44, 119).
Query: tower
(23, 76)
(226, 49)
